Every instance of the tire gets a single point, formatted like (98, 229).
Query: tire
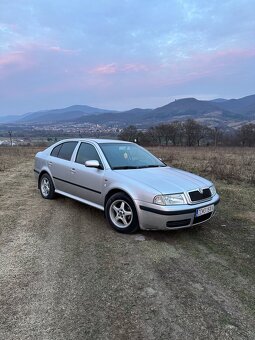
(121, 213)
(46, 187)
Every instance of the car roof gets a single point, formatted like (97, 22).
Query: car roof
(96, 140)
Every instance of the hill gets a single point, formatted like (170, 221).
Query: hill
(189, 108)
(133, 116)
(204, 111)
(217, 112)
(238, 105)
(9, 119)
(244, 106)
(58, 115)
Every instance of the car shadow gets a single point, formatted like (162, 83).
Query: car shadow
(171, 236)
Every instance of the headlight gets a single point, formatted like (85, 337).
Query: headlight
(169, 199)
(213, 190)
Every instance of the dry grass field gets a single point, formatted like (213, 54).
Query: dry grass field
(229, 164)
(64, 274)
(233, 164)
(12, 156)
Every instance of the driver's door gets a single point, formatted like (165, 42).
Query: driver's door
(87, 182)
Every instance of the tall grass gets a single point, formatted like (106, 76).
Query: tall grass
(230, 164)
(11, 156)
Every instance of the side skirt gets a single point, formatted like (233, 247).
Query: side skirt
(100, 207)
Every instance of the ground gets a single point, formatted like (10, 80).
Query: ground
(65, 274)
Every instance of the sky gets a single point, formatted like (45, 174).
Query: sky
(121, 54)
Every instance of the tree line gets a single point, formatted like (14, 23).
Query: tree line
(190, 133)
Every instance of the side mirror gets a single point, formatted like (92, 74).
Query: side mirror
(93, 164)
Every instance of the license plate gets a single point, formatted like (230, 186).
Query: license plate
(204, 210)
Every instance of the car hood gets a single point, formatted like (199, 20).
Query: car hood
(167, 180)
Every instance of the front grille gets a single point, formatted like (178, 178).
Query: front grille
(180, 223)
(202, 218)
(200, 196)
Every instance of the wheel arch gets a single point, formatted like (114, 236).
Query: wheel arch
(115, 191)
(40, 176)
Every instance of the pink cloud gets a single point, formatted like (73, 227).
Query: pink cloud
(202, 65)
(104, 69)
(41, 46)
(11, 58)
(219, 59)
(60, 50)
(29, 55)
(236, 53)
(153, 76)
(14, 61)
(115, 68)
(134, 67)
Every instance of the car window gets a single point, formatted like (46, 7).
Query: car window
(87, 152)
(66, 150)
(55, 151)
(129, 156)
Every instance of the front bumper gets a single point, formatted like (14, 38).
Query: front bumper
(158, 217)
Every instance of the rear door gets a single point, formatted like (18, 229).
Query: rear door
(87, 182)
(59, 164)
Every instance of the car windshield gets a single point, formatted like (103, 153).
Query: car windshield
(121, 156)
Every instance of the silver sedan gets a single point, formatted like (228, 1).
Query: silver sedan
(134, 188)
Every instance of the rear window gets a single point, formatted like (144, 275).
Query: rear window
(64, 151)
(55, 151)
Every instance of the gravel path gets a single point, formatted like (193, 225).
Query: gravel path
(64, 274)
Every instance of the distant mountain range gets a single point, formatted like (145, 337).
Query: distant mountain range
(55, 115)
(217, 112)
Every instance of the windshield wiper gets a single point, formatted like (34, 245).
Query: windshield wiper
(124, 167)
(151, 166)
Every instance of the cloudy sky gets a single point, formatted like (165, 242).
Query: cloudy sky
(121, 54)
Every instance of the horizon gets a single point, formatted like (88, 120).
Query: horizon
(110, 58)
(128, 109)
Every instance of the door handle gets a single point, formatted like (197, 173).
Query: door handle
(50, 163)
(73, 170)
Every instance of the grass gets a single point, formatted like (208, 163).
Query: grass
(10, 156)
(233, 164)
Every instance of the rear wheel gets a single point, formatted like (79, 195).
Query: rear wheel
(121, 213)
(46, 187)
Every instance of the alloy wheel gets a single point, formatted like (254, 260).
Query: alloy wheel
(45, 186)
(121, 214)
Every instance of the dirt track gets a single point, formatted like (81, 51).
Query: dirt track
(64, 274)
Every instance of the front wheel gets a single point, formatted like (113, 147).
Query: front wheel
(121, 213)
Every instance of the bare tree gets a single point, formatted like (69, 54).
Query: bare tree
(246, 134)
(193, 132)
(130, 134)
(10, 135)
(163, 134)
(175, 132)
(155, 134)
